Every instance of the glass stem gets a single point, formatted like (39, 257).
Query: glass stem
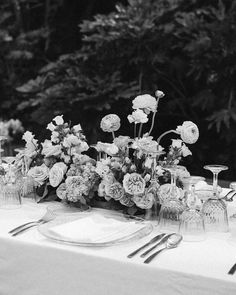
(215, 183)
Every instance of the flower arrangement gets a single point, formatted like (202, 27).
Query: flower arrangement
(131, 170)
(57, 166)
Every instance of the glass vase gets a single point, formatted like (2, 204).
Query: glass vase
(153, 188)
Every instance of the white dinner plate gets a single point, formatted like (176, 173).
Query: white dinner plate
(95, 228)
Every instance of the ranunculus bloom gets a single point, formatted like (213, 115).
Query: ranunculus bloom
(134, 184)
(145, 201)
(138, 116)
(39, 173)
(58, 120)
(56, 173)
(188, 131)
(110, 123)
(146, 102)
(159, 94)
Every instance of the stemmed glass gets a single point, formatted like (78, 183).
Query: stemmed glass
(153, 188)
(214, 209)
(172, 207)
(9, 161)
(191, 220)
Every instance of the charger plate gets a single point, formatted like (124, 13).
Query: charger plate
(128, 233)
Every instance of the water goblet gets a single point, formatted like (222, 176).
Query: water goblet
(172, 207)
(214, 209)
(191, 220)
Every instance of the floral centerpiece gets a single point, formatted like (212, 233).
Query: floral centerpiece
(57, 166)
(131, 170)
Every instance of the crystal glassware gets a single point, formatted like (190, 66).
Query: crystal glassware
(192, 225)
(153, 187)
(172, 207)
(214, 209)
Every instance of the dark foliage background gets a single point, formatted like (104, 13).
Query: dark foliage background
(89, 58)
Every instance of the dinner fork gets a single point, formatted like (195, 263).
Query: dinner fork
(49, 215)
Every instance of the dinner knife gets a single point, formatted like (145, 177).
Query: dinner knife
(153, 240)
(232, 270)
(161, 241)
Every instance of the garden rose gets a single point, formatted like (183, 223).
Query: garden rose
(188, 131)
(146, 102)
(138, 116)
(71, 140)
(110, 123)
(134, 184)
(39, 173)
(61, 191)
(145, 201)
(114, 190)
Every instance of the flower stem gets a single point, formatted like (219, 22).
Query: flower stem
(153, 120)
(135, 129)
(165, 133)
(113, 134)
(140, 130)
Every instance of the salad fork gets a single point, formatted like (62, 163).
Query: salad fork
(49, 215)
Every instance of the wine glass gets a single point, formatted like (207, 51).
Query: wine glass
(214, 209)
(191, 220)
(172, 207)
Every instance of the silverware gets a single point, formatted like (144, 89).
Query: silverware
(49, 215)
(232, 270)
(229, 199)
(172, 242)
(162, 241)
(153, 240)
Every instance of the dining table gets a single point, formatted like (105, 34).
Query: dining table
(32, 264)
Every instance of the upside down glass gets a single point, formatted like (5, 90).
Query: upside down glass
(192, 226)
(214, 209)
(172, 207)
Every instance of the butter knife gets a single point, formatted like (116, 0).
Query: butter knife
(153, 240)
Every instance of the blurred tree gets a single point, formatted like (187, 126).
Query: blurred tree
(185, 48)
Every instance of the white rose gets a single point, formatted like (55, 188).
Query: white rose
(177, 143)
(186, 151)
(146, 102)
(39, 173)
(70, 140)
(50, 150)
(56, 173)
(112, 149)
(138, 116)
(188, 131)
(55, 137)
(77, 128)
(58, 120)
(134, 184)
(61, 191)
(28, 136)
(51, 126)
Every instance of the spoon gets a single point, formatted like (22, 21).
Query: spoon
(172, 242)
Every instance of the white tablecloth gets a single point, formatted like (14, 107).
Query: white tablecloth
(30, 264)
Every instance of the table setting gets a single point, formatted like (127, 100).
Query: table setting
(162, 227)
